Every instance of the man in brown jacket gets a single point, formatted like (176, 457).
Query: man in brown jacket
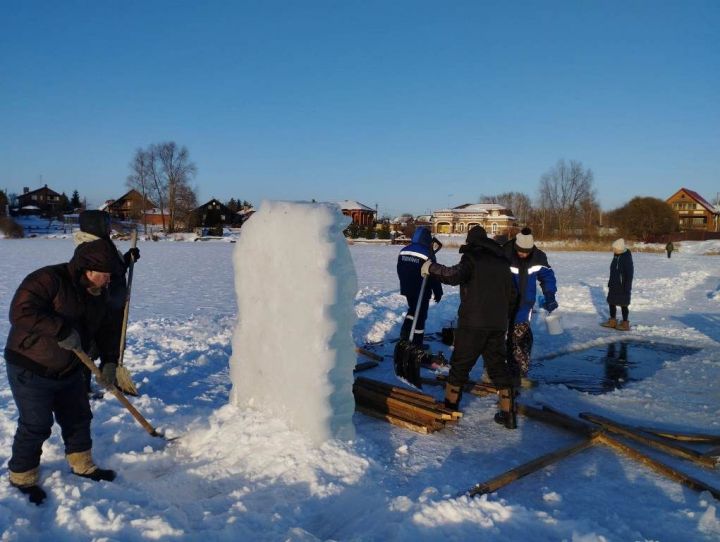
(55, 310)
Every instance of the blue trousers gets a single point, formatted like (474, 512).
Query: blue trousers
(38, 399)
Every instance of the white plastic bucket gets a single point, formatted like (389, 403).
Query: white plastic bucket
(554, 323)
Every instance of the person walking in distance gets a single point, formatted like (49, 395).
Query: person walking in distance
(529, 265)
(57, 309)
(669, 249)
(487, 298)
(410, 259)
(620, 286)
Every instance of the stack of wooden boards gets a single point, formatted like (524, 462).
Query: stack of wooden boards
(402, 407)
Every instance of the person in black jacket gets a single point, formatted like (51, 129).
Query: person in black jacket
(95, 225)
(487, 299)
(55, 310)
(620, 286)
(409, 262)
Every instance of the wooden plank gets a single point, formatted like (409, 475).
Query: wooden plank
(364, 395)
(421, 400)
(528, 468)
(372, 355)
(382, 403)
(658, 443)
(364, 366)
(361, 380)
(658, 466)
(395, 420)
(558, 419)
(715, 452)
(700, 438)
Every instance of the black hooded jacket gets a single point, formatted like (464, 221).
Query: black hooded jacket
(53, 301)
(487, 292)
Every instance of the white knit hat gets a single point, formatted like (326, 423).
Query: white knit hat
(524, 241)
(618, 246)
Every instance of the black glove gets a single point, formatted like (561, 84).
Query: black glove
(71, 342)
(550, 303)
(93, 351)
(108, 372)
(437, 298)
(132, 255)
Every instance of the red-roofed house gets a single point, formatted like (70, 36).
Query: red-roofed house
(694, 211)
(359, 213)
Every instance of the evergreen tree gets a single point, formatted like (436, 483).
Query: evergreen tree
(65, 206)
(3, 202)
(75, 200)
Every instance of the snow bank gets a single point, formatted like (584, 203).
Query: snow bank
(293, 353)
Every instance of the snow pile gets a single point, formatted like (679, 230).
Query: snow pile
(293, 353)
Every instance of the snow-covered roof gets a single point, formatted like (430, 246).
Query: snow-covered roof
(350, 205)
(476, 208)
(30, 207)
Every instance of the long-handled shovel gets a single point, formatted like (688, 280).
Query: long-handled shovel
(85, 359)
(407, 356)
(122, 375)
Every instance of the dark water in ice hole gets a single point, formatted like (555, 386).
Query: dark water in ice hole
(601, 369)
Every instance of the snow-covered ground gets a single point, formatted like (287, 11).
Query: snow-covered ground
(240, 475)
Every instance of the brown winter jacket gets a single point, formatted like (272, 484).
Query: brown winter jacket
(49, 304)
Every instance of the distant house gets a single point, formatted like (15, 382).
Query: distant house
(362, 215)
(129, 206)
(213, 216)
(44, 201)
(496, 219)
(694, 212)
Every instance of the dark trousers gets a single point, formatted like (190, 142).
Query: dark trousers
(470, 343)
(419, 335)
(38, 399)
(625, 312)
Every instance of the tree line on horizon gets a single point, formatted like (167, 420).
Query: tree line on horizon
(567, 206)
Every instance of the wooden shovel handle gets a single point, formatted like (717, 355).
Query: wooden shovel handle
(126, 311)
(85, 359)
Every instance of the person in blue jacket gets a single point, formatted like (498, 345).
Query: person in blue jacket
(620, 286)
(528, 265)
(410, 260)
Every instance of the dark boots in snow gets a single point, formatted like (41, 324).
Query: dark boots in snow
(507, 415)
(27, 483)
(453, 394)
(83, 465)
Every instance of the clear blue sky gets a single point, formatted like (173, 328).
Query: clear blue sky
(412, 105)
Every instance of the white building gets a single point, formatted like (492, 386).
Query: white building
(493, 217)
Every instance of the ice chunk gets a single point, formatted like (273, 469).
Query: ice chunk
(293, 354)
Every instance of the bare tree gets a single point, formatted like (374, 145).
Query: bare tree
(177, 170)
(157, 182)
(141, 178)
(519, 204)
(564, 190)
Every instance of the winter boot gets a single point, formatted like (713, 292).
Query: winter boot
(453, 394)
(27, 483)
(83, 465)
(507, 415)
(623, 326)
(611, 322)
